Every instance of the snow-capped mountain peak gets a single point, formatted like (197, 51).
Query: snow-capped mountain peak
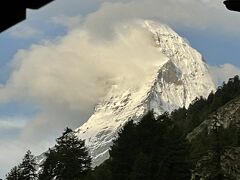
(178, 80)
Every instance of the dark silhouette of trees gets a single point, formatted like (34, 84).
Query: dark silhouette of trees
(153, 148)
(25, 171)
(68, 160)
(149, 150)
(14, 174)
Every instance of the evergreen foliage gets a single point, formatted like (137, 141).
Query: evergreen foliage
(155, 148)
(27, 167)
(149, 150)
(201, 108)
(68, 160)
(158, 149)
(14, 174)
(214, 150)
(25, 171)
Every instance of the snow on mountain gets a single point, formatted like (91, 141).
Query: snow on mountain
(177, 81)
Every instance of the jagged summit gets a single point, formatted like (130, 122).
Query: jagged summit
(181, 78)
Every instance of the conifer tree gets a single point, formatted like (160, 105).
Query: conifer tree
(14, 174)
(68, 160)
(217, 150)
(123, 152)
(48, 166)
(141, 169)
(150, 150)
(27, 167)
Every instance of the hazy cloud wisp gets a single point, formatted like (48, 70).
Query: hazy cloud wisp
(68, 77)
(223, 72)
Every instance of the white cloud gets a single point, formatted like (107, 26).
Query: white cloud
(11, 155)
(67, 21)
(66, 78)
(223, 72)
(100, 15)
(12, 123)
(196, 14)
(24, 32)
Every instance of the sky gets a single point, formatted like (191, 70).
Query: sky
(52, 74)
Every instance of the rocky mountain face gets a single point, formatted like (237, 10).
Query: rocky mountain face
(178, 81)
(223, 117)
(221, 120)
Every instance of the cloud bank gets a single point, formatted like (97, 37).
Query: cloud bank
(223, 72)
(68, 77)
(64, 79)
(25, 32)
(209, 15)
(101, 15)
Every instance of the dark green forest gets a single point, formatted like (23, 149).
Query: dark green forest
(154, 148)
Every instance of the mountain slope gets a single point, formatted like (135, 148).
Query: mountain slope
(181, 78)
(224, 116)
(217, 136)
(227, 118)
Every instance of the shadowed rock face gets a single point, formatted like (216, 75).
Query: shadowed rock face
(229, 163)
(226, 115)
(170, 74)
(13, 12)
(230, 158)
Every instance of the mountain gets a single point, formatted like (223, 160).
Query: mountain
(223, 116)
(177, 82)
(226, 120)
(201, 142)
(215, 140)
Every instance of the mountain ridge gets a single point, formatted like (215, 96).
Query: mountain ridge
(178, 81)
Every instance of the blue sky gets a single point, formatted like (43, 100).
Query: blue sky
(216, 48)
(31, 117)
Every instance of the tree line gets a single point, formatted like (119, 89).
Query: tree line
(67, 160)
(154, 148)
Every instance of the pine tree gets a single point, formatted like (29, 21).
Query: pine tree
(69, 159)
(101, 172)
(177, 151)
(49, 166)
(123, 152)
(171, 152)
(217, 150)
(14, 174)
(27, 167)
(150, 150)
(141, 169)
